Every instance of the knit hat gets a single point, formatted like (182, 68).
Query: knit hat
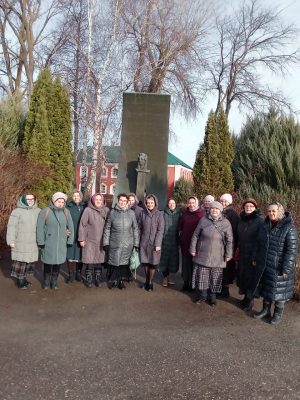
(226, 197)
(59, 195)
(252, 201)
(209, 197)
(216, 204)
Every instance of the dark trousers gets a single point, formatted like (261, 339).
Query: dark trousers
(187, 269)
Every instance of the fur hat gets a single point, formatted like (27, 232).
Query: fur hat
(216, 204)
(226, 197)
(59, 195)
(252, 201)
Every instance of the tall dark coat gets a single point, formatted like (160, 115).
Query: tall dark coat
(187, 225)
(52, 235)
(210, 246)
(247, 237)
(151, 230)
(233, 218)
(277, 255)
(137, 211)
(121, 234)
(169, 260)
(90, 230)
(76, 210)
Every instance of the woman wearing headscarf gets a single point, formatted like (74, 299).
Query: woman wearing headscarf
(249, 225)
(90, 237)
(276, 260)
(54, 232)
(211, 247)
(133, 203)
(21, 237)
(233, 218)
(187, 225)
(76, 207)
(121, 235)
(151, 231)
(169, 261)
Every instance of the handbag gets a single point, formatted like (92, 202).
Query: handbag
(134, 261)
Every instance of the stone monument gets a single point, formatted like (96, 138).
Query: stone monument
(143, 159)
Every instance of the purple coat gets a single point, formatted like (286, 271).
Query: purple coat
(151, 235)
(90, 230)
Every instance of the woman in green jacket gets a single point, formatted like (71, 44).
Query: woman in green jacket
(21, 237)
(54, 232)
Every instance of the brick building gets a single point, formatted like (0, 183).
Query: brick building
(109, 173)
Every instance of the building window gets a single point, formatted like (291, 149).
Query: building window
(103, 172)
(112, 189)
(114, 172)
(103, 188)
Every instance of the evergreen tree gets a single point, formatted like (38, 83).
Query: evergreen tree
(12, 121)
(267, 158)
(206, 171)
(182, 190)
(226, 154)
(61, 135)
(48, 135)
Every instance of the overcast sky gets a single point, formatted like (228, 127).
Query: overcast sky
(190, 134)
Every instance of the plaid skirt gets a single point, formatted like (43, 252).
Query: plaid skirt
(21, 269)
(207, 278)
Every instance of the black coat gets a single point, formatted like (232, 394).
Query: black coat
(277, 255)
(247, 237)
(74, 251)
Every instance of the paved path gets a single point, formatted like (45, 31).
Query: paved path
(79, 343)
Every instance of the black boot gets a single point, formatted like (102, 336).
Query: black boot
(277, 314)
(54, 280)
(47, 279)
(89, 279)
(213, 299)
(71, 277)
(98, 278)
(265, 311)
(248, 304)
(21, 284)
(121, 284)
(78, 275)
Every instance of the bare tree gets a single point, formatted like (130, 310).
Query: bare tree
(23, 26)
(165, 44)
(251, 42)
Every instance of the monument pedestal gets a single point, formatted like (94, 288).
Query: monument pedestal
(141, 184)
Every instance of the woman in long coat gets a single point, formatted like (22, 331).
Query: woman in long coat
(90, 237)
(54, 232)
(187, 225)
(276, 260)
(121, 235)
(76, 207)
(169, 261)
(152, 231)
(21, 237)
(233, 217)
(211, 247)
(250, 223)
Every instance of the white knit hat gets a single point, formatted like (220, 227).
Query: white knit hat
(209, 197)
(59, 195)
(226, 197)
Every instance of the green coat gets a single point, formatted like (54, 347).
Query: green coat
(52, 236)
(169, 260)
(21, 230)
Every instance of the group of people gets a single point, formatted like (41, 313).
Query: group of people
(217, 245)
